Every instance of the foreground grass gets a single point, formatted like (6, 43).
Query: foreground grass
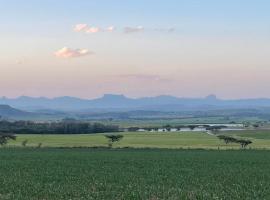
(56, 174)
(140, 140)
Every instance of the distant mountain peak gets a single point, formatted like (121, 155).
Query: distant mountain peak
(7, 111)
(211, 97)
(114, 96)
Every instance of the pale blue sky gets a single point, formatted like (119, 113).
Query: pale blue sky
(210, 38)
(198, 15)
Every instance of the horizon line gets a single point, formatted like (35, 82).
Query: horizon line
(210, 96)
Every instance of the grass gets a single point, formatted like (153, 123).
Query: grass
(141, 140)
(253, 134)
(78, 174)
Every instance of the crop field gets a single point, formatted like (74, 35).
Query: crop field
(261, 140)
(55, 174)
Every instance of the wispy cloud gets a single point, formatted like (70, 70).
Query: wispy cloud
(133, 29)
(144, 77)
(169, 30)
(128, 29)
(80, 27)
(92, 29)
(20, 62)
(66, 52)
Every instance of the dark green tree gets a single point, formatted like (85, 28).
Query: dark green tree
(244, 143)
(227, 139)
(113, 138)
(5, 137)
(24, 143)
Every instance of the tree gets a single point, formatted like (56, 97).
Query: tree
(24, 143)
(246, 124)
(255, 125)
(244, 143)
(167, 127)
(5, 137)
(227, 139)
(113, 138)
(192, 127)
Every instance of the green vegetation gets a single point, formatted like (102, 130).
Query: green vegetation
(64, 127)
(55, 174)
(228, 139)
(253, 134)
(113, 139)
(140, 140)
(5, 137)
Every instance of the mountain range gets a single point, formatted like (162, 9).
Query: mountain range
(112, 102)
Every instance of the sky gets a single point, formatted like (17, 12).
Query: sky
(184, 48)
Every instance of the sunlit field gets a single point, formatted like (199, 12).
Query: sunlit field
(185, 140)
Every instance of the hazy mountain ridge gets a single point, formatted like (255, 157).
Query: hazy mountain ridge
(8, 111)
(121, 102)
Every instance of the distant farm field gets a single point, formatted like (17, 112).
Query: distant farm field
(56, 174)
(261, 140)
(148, 122)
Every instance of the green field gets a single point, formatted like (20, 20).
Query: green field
(77, 174)
(252, 134)
(144, 140)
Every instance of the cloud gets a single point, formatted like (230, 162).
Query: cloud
(144, 77)
(20, 62)
(128, 29)
(110, 29)
(92, 29)
(169, 30)
(141, 29)
(80, 27)
(71, 53)
(133, 29)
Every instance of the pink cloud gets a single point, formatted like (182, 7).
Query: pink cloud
(92, 30)
(71, 53)
(80, 27)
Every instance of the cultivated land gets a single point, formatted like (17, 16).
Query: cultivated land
(195, 140)
(55, 174)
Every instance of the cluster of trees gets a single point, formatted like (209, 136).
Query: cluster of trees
(228, 139)
(63, 127)
(254, 125)
(178, 127)
(5, 137)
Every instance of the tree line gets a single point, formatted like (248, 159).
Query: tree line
(63, 127)
(228, 139)
(177, 127)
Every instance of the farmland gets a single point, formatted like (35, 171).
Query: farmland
(147, 165)
(55, 174)
(185, 140)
